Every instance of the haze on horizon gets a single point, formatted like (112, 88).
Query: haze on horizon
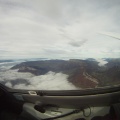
(59, 28)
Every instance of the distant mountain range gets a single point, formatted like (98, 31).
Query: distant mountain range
(82, 73)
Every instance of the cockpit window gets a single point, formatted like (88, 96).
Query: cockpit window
(59, 44)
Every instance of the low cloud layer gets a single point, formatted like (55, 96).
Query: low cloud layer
(101, 62)
(49, 81)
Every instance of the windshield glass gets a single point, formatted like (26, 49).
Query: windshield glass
(59, 44)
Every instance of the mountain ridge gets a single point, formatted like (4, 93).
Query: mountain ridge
(82, 73)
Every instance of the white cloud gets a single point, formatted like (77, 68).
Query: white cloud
(10, 75)
(49, 81)
(101, 62)
(8, 84)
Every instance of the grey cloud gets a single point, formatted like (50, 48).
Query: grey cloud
(77, 43)
(66, 36)
(3, 51)
(54, 51)
(55, 23)
(114, 35)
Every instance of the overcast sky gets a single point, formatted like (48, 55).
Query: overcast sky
(59, 28)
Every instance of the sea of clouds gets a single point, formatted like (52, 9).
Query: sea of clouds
(25, 80)
(49, 81)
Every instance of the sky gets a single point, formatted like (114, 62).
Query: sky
(59, 29)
